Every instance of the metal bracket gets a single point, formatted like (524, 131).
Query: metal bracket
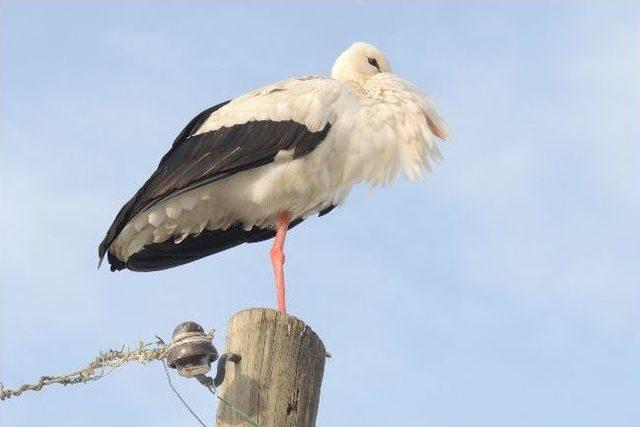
(221, 371)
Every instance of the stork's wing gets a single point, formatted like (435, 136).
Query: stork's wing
(234, 136)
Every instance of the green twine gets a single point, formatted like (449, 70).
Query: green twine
(212, 389)
(246, 417)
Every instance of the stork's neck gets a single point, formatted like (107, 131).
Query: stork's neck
(390, 132)
(368, 87)
(356, 81)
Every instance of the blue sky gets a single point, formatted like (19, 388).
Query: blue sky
(502, 291)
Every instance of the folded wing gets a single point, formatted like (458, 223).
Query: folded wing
(223, 140)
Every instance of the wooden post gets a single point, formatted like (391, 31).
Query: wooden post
(277, 382)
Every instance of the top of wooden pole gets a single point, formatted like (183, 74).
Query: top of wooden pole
(271, 314)
(277, 382)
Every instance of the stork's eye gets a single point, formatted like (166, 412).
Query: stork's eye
(373, 62)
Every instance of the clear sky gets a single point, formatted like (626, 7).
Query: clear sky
(504, 291)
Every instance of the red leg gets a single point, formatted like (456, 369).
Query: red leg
(277, 259)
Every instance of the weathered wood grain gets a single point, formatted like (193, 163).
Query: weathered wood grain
(278, 381)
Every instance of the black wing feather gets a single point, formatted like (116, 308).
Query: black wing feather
(168, 254)
(196, 160)
(127, 211)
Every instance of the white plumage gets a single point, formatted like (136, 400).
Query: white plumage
(379, 125)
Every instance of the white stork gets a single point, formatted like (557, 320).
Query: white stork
(251, 168)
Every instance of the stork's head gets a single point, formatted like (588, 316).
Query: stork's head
(359, 62)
